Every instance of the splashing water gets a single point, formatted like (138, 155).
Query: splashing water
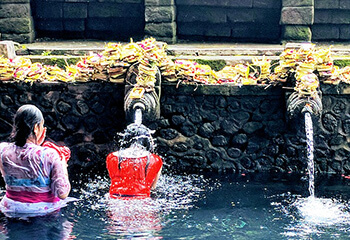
(135, 218)
(310, 153)
(138, 116)
(313, 216)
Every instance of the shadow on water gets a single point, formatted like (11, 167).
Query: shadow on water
(256, 206)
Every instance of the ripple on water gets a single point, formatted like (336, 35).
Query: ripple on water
(135, 218)
(311, 217)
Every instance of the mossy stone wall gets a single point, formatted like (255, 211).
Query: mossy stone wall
(201, 128)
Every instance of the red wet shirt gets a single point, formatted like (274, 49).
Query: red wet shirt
(133, 177)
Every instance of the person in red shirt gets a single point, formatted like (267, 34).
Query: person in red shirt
(134, 169)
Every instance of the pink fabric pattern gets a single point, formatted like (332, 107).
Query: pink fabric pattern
(32, 173)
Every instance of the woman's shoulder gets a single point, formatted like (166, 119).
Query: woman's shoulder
(157, 159)
(5, 144)
(45, 152)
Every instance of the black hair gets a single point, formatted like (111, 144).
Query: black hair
(135, 133)
(27, 116)
(140, 134)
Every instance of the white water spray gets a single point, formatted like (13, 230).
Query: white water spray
(310, 153)
(138, 116)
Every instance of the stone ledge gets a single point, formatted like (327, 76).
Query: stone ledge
(159, 2)
(297, 16)
(16, 25)
(12, 10)
(160, 14)
(297, 3)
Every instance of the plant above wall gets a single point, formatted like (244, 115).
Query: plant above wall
(113, 62)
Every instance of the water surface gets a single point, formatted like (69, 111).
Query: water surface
(199, 207)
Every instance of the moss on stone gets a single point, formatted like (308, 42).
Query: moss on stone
(297, 32)
(216, 65)
(60, 62)
(342, 63)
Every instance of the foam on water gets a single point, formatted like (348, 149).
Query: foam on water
(136, 218)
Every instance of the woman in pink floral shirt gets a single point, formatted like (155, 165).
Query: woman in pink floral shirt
(36, 177)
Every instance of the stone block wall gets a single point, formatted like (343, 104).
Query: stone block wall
(16, 22)
(172, 20)
(160, 18)
(204, 128)
(108, 19)
(86, 117)
(238, 20)
(297, 18)
(247, 130)
(332, 20)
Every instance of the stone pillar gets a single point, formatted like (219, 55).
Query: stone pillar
(160, 16)
(297, 17)
(16, 22)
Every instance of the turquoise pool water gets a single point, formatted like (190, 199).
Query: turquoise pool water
(199, 207)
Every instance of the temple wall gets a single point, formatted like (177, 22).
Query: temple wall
(241, 20)
(202, 128)
(173, 20)
(332, 20)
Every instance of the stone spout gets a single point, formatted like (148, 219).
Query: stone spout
(143, 97)
(297, 103)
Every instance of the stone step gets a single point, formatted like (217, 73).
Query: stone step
(193, 49)
(62, 60)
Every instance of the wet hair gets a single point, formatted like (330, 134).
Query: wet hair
(139, 134)
(136, 134)
(27, 116)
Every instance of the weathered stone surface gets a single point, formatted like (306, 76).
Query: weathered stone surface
(344, 33)
(234, 152)
(71, 120)
(270, 4)
(344, 4)
(297, 3)
(63, 107)
(161, 29)
(226, 3)
(297, 16)
(74, 25)
(160, 14)
(159, 2)
(218, 32)
(326, 4)
(229, 126)
(235, 15)
(188, 129)
(180, 147)
(240, 139)
(325, 32)
(329, 122)
(206, 130)
(105, 10)
(178, 119)
(75, 10)
(298, 33)
(49, 24)
(20, 38)
(323, 16)
(219, 141)
(50, 10)
(195, 14)
(14, 10)
(168, 133)
(14, 1)
(251, 127)
(16, 25)
(341, 17)
(113, 1)
(346, 126)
